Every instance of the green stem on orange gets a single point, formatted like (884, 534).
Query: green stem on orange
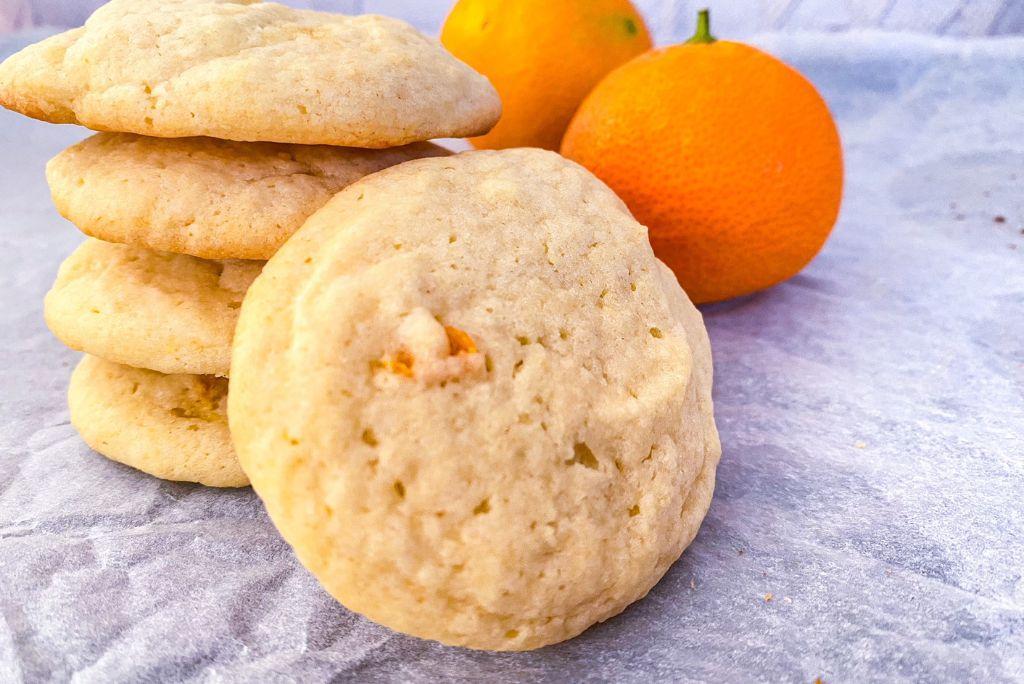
(702, 36)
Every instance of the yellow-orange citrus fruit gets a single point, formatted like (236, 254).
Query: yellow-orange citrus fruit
(543, 57)
(727, 155)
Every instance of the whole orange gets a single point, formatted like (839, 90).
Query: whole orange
(727, 155)
(543, 57)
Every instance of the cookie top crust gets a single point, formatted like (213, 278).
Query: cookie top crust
(174, 427)
(166, 312)
(209, 198)
(474, 402)
(249, 71)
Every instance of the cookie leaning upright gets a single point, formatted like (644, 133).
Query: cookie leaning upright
(249, 71)
(474, 402)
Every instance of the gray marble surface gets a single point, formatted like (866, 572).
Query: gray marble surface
(871, 411)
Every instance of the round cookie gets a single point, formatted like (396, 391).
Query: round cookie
(210, 198)
(473, 401)
(171, 426)
(166, 312)
(243, 70)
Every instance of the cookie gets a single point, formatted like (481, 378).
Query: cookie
(210, 198)
(171, 426)
(243, 70)
(166, 312)
(473, 401)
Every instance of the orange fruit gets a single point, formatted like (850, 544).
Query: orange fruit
(543, 57)
(727, 155)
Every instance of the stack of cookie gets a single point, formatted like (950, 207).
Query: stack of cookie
(469, 395)
(228, 124)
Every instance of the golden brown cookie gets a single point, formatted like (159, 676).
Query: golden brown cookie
(166, 312)
(474, 402)
(210, 198)
(171, 426)
(243, 70)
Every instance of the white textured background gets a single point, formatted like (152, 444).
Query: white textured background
(670, 19)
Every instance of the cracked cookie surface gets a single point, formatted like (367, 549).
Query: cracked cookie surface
(210, 198)
(170, 426)
(243, 70)
(166, 312)
(474, 402)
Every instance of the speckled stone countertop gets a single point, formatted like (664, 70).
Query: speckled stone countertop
(869, 517)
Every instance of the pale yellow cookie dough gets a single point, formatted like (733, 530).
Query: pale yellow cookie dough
(166, 312)
(474, 402)
(210, 198)
(171, 426)
(243, 70)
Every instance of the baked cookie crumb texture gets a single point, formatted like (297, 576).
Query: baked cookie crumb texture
(248, 71)
(215, 199)
(166, 312)
(474, 402)
(173, 427)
